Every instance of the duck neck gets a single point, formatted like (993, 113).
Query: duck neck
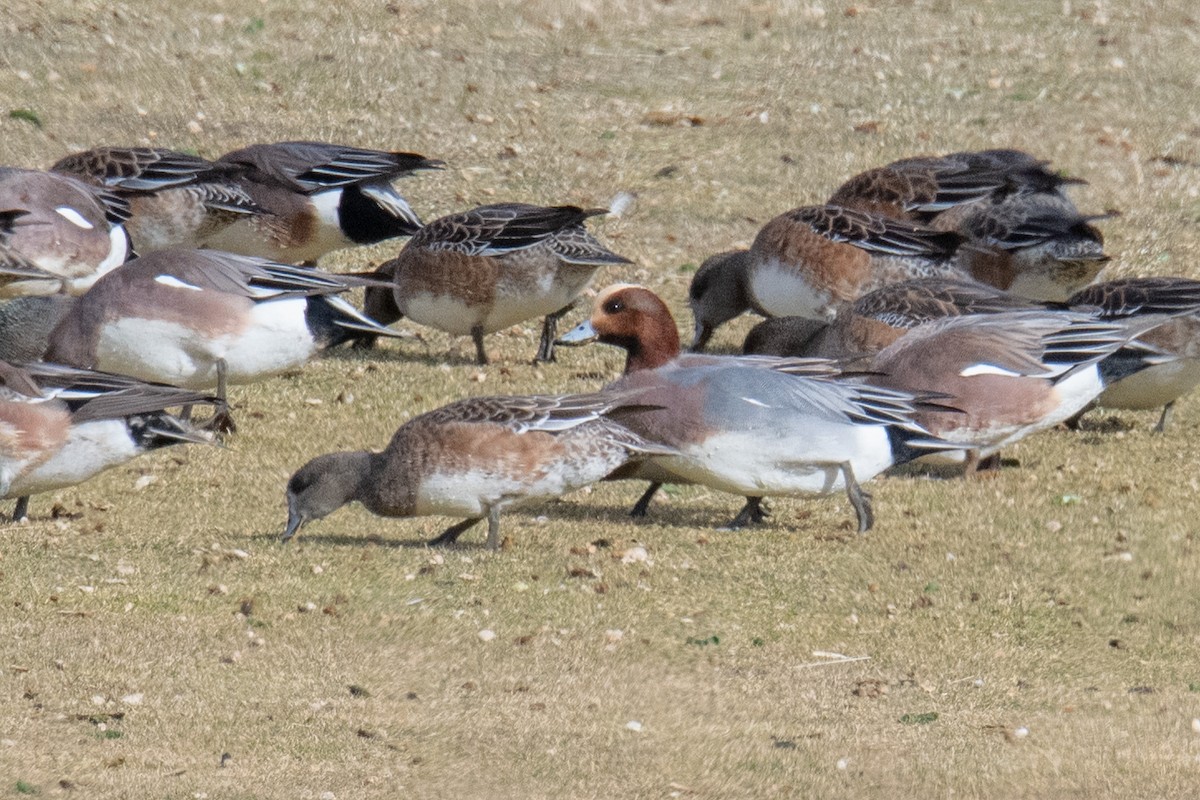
(653, 348)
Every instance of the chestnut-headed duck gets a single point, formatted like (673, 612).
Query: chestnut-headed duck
(486, 269)
(316, 197)
(59, 425)
(475, 458)
(68, 229)
(809, 261)
(175, 199)
(1006, 375)
(196, 317)
(753, 426)
(1172, 348)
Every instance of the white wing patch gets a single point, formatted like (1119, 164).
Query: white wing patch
(175, 283)
(754, 402)
(74, 217)
(987, 369)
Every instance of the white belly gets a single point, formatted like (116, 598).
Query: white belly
(781, 290)
(1154, 386)
(91, 448)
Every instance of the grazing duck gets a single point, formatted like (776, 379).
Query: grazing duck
(920, 189)
(317, 197)
(718, 294)
(752, 426)
(878, 318)
(1170, 351)
(175, 199)
(474, 459)
(809, 261)
(1007, 375)
(69, 230)
(483, 270)
(59, 426)
(198, 317)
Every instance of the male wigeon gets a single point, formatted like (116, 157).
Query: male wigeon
(718, 294)
(318, 197)
(64, 227)
(809, 261)
(59, 426)
(195, 317)
(878, 318)
(1171, 349)
(483, 270)
(14, 266)
(922, 188)
(1036, 245)
(753, 426)
(1007, 375)
(474, 458)
(175, 199)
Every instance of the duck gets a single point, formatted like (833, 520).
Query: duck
(14, 266)
(26, 323)
(200, 318)
(483, 270)
(1005, 375)
(474, 458)
(811, 260)
(68, 230)
(878, 318)
(1170, 351)
(754, 426)
(60, 426)
(921, 189)
(317, 197)
(175, 199)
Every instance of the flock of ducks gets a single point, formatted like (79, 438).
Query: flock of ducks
(936, 308)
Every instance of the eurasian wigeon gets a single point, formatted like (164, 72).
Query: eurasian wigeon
(69, 229)
(318, 197)
(1006, 375)
(921, 188)
(175, 199)
(483, 270)
(1172, 348)
(718, 294)
(474, 459)
(753, 426)
(809, 261)
(195, 317)
(59, 425)
(878, 318)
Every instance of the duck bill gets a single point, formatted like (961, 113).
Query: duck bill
(580, 334)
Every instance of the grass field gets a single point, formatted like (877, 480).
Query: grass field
(1035, 635)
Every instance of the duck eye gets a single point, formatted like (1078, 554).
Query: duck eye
(614, 307)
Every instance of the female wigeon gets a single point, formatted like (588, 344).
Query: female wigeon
(175, 199)
(753, 426)
(1006, 375)
(195, 317)
(809, 261)
(317, 197)
(473, 459)
(1171, 349)
(920, 189)
(718, 294)
(68, 228)
(1033, 245)
(59, 426)
(483, 270)
(878, 318)
(26, 323)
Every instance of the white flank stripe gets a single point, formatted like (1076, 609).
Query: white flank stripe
(175, 283)
(74, 217)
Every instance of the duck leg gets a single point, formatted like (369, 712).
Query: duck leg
(643, 504)
(477, 337)
(21, 511)
(493, 540)
(977, 468)
(1165, 419)
(751, 514)
(222, 421)
(859, 498)
(451, 534)
(549, 334)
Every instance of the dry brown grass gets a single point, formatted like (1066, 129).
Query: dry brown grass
(1058, 599)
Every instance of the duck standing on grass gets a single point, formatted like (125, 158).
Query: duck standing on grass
(474, 458)
(753, 426)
